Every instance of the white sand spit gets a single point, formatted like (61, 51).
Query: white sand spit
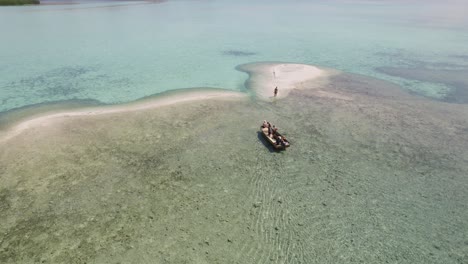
(47, 119)
(286, 76)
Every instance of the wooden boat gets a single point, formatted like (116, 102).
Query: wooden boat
(272, 140)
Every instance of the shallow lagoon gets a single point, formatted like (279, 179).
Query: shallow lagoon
(117, 52)
(377, 178)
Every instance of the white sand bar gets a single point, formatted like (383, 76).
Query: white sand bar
(264, 77)
(46, 119)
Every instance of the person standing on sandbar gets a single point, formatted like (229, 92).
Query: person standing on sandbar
(276, 90)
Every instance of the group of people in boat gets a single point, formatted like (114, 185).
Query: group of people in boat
(273, 133)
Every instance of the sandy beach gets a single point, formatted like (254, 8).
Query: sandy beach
(264, 77)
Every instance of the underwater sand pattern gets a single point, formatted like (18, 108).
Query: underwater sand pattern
(373, 175)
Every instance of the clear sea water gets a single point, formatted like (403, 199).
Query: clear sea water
(117, 52)
(379, 178)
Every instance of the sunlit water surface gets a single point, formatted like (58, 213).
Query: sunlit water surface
(120, 51)
(378, 178)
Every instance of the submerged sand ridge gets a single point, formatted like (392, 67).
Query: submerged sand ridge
(374, 180)
(46, 119)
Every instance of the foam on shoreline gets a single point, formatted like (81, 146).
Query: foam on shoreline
(170, 98)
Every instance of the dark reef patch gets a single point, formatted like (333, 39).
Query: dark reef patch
(4, 199)
(238, 53)
(64, 81)
(456, 79)
(401, 58)
(59, 84)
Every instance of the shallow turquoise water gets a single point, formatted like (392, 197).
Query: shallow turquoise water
(121, 51)
(381, 179)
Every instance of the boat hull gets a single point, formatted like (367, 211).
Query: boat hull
(272, 141)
